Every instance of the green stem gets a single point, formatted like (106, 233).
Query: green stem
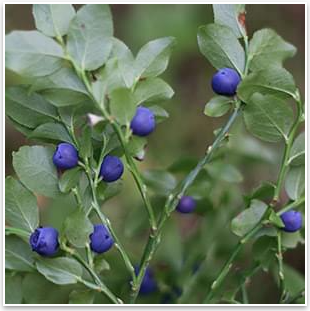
(89, 256)
(101, 287)
(172, 201)
(280, 263)
(137, 177)
(226, 268)
(287, 150)
(245, 298)
(17, 231)
(291, 205)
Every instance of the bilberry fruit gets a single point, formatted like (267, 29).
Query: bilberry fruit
(65, 156)
(101, 239)
(292, 221)
(225, 82)
(143, 123)
(148, 284)
(111, 169)
(44, 241)
(186, 204)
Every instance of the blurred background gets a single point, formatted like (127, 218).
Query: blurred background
(185, 135)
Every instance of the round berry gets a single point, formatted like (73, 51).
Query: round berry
(65, 156)
(44, 241)
(101, 239)
(292, 221)
(186, 205)
(225, 82)
(111, 169)
(148, 284)
(143, 123)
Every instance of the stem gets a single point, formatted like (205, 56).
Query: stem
(172, 201)
(89, 256)
(225, 270)
(245, 298)
(137, 177)
(101, 287)
(291, 205)
(16, 231)
(117, 243)
(287, 150)
(280, 263)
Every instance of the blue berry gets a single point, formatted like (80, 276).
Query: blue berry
(111, 169)
(44, 241)
(186, 205)
(101, 239)
(148, 284)
(292, 221)
(65, 156)
(225, 82)
(143, 123)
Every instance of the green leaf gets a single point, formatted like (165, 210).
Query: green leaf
(89, 37)
(264, 251)
(77, 228)
(153, 57)
(69, 179)
(229, 15)
(160, 181)
(221, 47)
(125, 62)
(18, 254)
(270, 81)
(160, 113)
(61, 270)
(291, 239)
(29, 110)
(62, 88)
(294, 281)
(224, 171)
(264, 192)
(13, 289)
(217, 106)
(297, 154)
(64, 78)
(276, 220)
(152, 90)
(268, 117)
(85, 149)
(122, 105)
(22, 129)
(82, 297)
(267, 48)
(248, 218)
(53, 19)
(31, 54)
(21, 210)
(295, 182)
(106, 191)
(34, 167)
(136, 146)
(52, 131)
(35, 288)
(100, 263)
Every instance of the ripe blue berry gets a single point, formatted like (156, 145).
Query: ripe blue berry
(112, 168)
(101, 239)
(186, 205)
(148, 284)
(65, 156)
(225, 82)
(292, 221)
(143, 123)
(44, 241)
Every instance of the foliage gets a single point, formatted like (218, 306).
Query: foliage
(76, 66)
